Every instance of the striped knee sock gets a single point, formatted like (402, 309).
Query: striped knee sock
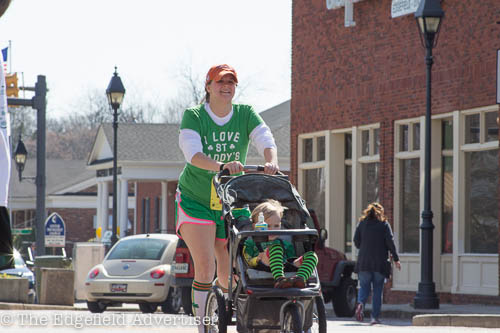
(308, 265)
(199, 293)
(276, 261)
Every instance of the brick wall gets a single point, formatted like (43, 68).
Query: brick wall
(152, 190)
(375, 72)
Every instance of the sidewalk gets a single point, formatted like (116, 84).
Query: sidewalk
(467, 315)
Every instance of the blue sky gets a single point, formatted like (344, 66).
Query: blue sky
(77, 43)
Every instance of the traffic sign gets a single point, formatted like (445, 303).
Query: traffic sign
(55, 231)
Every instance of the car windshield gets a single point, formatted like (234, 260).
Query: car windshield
(139, 248)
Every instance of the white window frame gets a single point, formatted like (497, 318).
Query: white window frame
(360, 160)
(464, 265)
(315, 164)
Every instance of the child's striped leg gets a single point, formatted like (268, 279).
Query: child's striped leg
(276, 261)
(309, 263)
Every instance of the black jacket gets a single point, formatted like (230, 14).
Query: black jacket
(374, 240)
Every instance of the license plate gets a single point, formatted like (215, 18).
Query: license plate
(119, 287)
(181, 268)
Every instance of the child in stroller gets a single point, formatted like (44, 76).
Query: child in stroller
(276, 253)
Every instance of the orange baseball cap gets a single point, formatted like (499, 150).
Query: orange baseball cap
(217, 72)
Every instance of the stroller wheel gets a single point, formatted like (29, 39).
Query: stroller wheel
(292, 323)
(320, 314)
(215, 312)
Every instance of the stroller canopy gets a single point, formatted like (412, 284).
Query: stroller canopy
(253, 189)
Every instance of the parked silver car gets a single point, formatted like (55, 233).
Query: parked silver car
(137, 269)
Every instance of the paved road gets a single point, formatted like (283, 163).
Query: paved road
(115, 321)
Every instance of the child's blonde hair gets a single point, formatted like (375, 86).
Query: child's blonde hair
(267, 208)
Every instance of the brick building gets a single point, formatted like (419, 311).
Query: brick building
(357, 125)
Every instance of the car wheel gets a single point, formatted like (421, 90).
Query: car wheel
(186, 300)
(344, 301)
(173, 302)
(148, 307)
(96, 307)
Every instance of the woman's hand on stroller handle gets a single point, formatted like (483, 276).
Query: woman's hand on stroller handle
(226, 169)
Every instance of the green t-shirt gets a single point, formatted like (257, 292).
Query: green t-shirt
(225, 143)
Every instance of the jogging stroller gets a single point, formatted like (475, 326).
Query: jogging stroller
(259, 307)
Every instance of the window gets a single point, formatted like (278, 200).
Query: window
(410, 212)
(314, 181)
(447, 186)
(407, 169)
(312, 169)
(481, 182)
(348, 193)
(481, 202)
(369, 160)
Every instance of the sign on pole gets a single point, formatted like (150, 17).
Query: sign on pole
(26, 231)
(403, 7)
(55, 231)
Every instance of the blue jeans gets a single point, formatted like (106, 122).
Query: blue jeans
(366, 281)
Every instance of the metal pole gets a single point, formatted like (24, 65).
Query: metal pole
(115, 157)
(426, 297)
(40, 105)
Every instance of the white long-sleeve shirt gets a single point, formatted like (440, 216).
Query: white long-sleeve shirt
(190, 141)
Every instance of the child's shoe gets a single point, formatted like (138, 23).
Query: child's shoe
(298, 282)
(283, 282)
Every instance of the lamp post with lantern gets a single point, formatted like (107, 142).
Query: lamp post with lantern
(429, 16)
(115, 93)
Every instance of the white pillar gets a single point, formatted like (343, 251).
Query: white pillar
(123, 207)
(164, 209)
(99, 209)
(105, 206)
(135, 210)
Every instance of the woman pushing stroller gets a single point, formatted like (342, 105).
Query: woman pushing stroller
(214, 136)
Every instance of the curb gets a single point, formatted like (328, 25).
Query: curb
(463, 320)
(27, 306)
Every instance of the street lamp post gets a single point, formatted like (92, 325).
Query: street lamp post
(428, 15)
(115, 93)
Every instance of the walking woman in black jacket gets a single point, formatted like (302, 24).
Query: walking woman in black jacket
(374, 239)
